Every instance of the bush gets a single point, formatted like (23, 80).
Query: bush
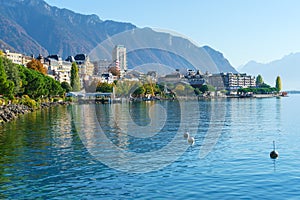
(2, 102)
(70, 99)
(15, 101)
(27, 101)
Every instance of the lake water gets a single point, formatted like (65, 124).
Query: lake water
(137, 151)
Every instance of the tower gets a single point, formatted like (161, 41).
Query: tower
(119, 58)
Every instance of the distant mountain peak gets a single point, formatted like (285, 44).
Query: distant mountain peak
(286, 67)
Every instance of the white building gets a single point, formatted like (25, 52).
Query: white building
(17, 58)
(86, 68)
(57, 68)
(119, 58)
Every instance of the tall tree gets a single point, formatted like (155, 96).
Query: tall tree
(6, 86)
(37, 65)
(278, 84)
(75, 81)
(259, 80)
(13, 74)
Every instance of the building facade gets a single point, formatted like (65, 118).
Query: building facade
(86, 68)
(17, 58)
(120, 59)
(230, 81)
(57, 68)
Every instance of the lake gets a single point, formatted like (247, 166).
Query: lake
(137, 151)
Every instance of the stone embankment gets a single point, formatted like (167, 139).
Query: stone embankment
(12, 111)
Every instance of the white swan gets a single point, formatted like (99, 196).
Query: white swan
(191, 140)
(186, 135)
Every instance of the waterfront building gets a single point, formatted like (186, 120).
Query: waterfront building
(119, 59)
(86, 68)
(230, 81)
(57, 68)
(174, 77)
(17, 58)
(194, 78)
(236, 81)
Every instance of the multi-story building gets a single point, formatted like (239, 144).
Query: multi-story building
(57, 68)
(86, 68)
(119, 58)
(230, 81)
(17, 58)
(102, 66)
(194, 78)
(236, 81)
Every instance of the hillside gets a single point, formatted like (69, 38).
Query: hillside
(286, 67)
(33, 27)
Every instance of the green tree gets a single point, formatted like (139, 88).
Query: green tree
(13, 74)
(75, 81)
(139, 92)
(37, 65)
(37, 85)
(6, 86)
(206, 88)
(66, 86)
(259, 80)
(278, 84)
(104, 87)
(197, 91)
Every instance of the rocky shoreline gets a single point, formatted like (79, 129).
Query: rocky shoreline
(12, 111)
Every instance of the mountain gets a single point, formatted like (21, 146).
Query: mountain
(219, 59)
(287, 68)
(34, 27)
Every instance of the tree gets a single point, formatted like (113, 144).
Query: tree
(6, 86)
(139, 92)
(75, 81)
(104, 87)
(37, 65)
(66, 86)
(13, 74)
(259, 80)
(278, 84)
(206, 88)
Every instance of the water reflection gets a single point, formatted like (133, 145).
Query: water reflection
(134, 134)
(30, 146)
(44, 154)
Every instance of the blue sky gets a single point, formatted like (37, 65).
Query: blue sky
(243, 30)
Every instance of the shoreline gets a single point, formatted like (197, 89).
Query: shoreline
(11, 112)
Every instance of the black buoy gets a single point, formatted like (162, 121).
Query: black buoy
(274, 154)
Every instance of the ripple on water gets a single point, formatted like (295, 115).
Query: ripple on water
(42, 156)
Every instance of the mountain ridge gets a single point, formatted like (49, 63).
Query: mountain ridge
(34, 27)
(285, 67)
